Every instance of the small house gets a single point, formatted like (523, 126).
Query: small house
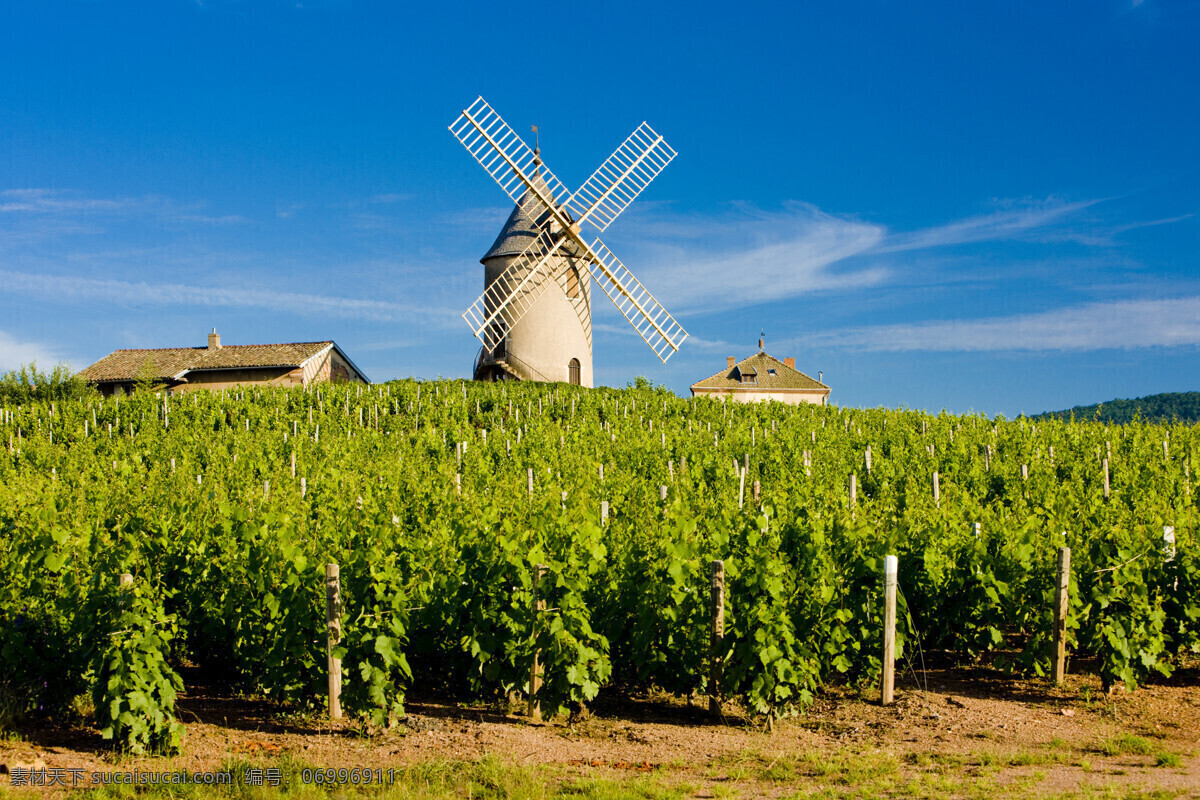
(217, 366)
(762, 377)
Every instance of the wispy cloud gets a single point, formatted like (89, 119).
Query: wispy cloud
(59, 203)
(137, 294)
(1150, 223)
(1123, 325)
(15, 352)
(746, 256)
(1016, 219)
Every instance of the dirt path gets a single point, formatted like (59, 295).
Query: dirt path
(972, 732)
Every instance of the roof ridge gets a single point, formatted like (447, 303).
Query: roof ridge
(766, 359)
(276, 344)
(155, 349)
(222, 347)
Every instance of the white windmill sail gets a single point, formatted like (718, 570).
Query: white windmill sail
(614, 185)
(621, 178)
(653, 323)
(502, 153)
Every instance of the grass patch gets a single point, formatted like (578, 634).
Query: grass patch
(843, 767)
(1164, 758)
(1125, 745)
(436, 780)
(938, 762)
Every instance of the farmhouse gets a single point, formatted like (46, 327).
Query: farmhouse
(762, 377)
(217, 366)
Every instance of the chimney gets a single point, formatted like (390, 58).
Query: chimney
(760, 341)
(820, 375)
(214, 340)
(790, 362)
(729, 360)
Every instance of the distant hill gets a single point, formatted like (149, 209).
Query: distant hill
(1182, 406)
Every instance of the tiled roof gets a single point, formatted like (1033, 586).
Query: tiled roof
(164, 363)
(784, 377)
(261, 355)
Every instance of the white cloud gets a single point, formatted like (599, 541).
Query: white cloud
(70, 203)
(1008, 223)
(14, 353)
(127, 293)
(1123, 325)
(698, 263)
(58, 201)
(745, 256)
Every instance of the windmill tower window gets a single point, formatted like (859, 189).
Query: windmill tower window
(573, 372)
(572, 282)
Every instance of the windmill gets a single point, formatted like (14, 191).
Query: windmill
(534, 316)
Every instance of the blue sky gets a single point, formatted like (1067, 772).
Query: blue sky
(972, 206)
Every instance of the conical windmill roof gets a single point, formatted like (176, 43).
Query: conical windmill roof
(518, 232)
(520, 229)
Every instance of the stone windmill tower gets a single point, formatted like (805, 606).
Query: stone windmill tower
(534, 317)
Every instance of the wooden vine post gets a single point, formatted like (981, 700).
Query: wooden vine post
(1062, 589)
(716, 636)
(535, 669)
(333, 626)
(888, 682)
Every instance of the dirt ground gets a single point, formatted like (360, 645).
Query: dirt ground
(971, 732)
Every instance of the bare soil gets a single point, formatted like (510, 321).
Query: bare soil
(963, 732)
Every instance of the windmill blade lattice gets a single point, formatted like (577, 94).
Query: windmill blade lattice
(502, 153)
(652, 322)
(621, 178)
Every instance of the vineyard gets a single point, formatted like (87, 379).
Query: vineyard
(480, 528)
